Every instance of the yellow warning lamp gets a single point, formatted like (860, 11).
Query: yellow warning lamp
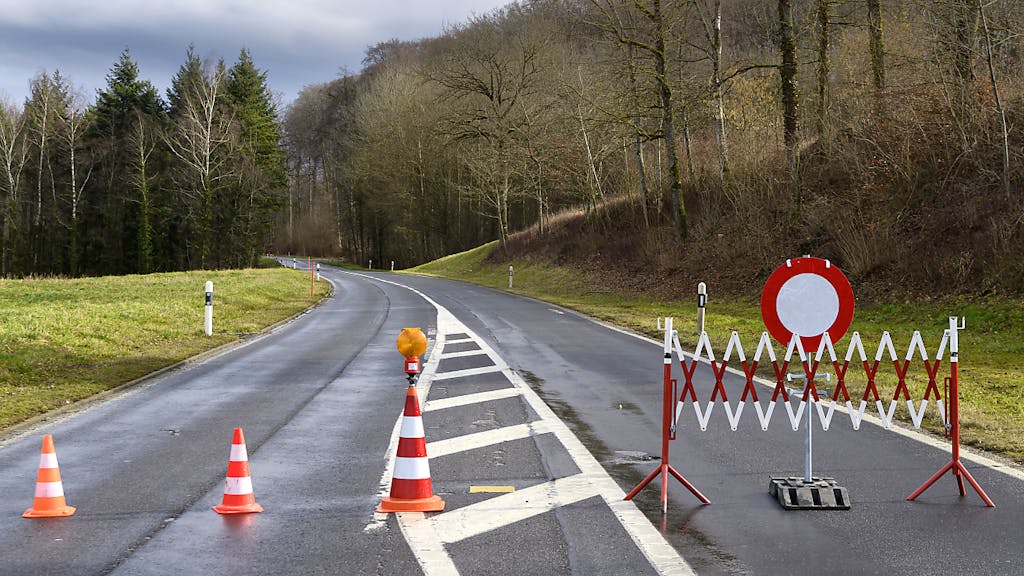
(411, 343)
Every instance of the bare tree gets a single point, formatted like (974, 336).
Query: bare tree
(486, 78)
(651, 40)
(200, 139)
(998, 101)
(142, 142)
(790, 91)
(712, 22)
(13, 158)
(74, 124)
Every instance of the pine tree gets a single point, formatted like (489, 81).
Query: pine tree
(263, 161)
(121, 232)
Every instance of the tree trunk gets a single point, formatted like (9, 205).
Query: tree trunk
(668, 119)
(998, 102)
(876, 46)
(790, 92)
(716, 81)
(824, 41)
(638, 140)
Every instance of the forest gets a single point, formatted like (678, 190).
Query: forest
(689, 136)
(134, 182)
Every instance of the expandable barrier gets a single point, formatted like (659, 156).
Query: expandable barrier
(855, 368)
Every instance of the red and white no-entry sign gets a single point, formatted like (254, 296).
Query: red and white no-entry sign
(809, 297)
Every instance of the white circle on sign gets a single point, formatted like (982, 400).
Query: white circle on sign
(807, 304)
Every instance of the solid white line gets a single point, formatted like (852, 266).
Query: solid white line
(486, 438)
(462, 354)
(466, 399)
(457, 340)
(467, 372)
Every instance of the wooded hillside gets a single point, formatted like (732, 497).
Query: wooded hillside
(698, 136)
(884, 134)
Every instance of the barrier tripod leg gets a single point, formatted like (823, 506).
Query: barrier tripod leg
(665, 469)
(954, 465)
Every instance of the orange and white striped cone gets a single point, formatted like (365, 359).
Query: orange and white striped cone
(238, 496)
(49, 501)
(411, 490)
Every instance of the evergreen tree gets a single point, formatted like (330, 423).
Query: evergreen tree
(263, 166)
(121, 232)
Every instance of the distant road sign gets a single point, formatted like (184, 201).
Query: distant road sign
(807, 296)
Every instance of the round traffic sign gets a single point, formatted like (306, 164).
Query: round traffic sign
(809, 297)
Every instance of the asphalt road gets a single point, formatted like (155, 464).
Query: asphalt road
(319, 400)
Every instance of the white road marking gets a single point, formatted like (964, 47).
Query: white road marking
(460, 340)
(466, 372)
(493, 513)
(465, 399)
(421, 532)
(486, 438)
(463, 354)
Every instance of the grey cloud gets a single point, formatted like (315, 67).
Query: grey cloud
(298, 43)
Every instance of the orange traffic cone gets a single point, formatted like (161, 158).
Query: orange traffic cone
(49, 501)
(411, 490)
(238, 496)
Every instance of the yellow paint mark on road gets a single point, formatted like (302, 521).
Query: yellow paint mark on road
(498, 489)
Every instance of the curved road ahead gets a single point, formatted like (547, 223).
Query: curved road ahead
(535, 419)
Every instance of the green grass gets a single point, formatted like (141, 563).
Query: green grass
(65, 340)
(991, 391)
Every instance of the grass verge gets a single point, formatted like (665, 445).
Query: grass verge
(65, 340)
(992, 394)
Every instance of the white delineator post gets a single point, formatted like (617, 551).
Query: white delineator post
(392, 265)
(702, 301)
(208, 323)
(510, 272)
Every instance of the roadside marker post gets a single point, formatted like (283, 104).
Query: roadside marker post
(392, 265)
(371, 263)
(208, 320)
(702, 302)
(510, 272)
(317, 271)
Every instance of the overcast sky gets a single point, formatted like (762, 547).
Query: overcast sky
(298, 42)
